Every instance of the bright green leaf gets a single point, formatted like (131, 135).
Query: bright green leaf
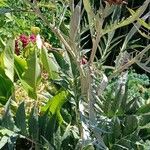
(31, 77)
(54, 105)
(49, 63)
(9, 59)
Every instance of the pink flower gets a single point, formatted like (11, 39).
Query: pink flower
(32, 38)
(24, 39)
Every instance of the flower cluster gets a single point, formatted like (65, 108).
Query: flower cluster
(24, 40)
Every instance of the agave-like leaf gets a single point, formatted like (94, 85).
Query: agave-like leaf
(128, 20)
(144, 24)
(107, 46)
(91, 15)
(132, 32)
(75, 21)
(143, 33)
(7, 119)
(144, 66)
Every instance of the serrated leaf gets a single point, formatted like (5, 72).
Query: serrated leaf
(117, 101)
(128, 20)
(7, 119)
(53, 125)
(47, 125)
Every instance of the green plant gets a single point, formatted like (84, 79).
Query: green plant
(121, 117)
(73, 81)
(38, 130)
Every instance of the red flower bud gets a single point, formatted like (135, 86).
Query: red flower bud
(83, 61)
(17, 49)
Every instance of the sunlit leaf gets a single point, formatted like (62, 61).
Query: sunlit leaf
(54, 105)
(20, 65)
(31, 77)
(49, 63)
(9, 59)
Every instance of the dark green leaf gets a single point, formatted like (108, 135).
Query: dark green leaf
(6, 87)
(7, 120)
(116, 129)
(61, 61)
(131, 124)
(33, 124)
(144, 109)
(21, 118)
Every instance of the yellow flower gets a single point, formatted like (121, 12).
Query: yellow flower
(35, 30)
